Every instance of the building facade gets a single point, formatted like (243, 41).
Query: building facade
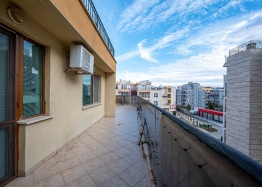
(143, 89)
(44, 104)
(243, 99)
(216, 96)
(191, 94)
(171, 97)
(123, 87)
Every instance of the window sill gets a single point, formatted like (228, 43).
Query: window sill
(34, 120)
(90, 106)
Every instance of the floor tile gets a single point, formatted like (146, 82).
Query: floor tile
(85, 157)
(131, 176)
(54, 181)
(102, 175)
(84, 181)
(105, 155)
(109, 158)
(114, 182)
(68, 164)
(93, 165)
(101, 151)
(73, 173)
(64, 154)
(46, 170)
(119, 165)
(145, 182)
(122, 152)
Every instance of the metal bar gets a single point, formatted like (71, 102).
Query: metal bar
(100, 27)
(252, 44)
(238, 159)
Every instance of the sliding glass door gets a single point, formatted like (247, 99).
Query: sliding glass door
(7, 109)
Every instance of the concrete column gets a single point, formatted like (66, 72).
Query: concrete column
(110, 94)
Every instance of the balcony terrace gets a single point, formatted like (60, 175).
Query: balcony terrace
(171, 153)
(107, 154)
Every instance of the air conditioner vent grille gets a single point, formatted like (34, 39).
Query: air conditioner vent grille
(81, 58)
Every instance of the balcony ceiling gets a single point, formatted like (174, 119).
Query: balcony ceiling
(45, 14)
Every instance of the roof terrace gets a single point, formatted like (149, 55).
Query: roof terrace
(252, 44)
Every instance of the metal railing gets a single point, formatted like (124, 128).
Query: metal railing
(252, 44)
(99, 25)
(179, 154)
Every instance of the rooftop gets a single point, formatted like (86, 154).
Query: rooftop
(252, 44)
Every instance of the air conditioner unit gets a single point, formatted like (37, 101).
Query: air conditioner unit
(81, 59)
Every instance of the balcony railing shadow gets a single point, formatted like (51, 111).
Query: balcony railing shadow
(179, 154)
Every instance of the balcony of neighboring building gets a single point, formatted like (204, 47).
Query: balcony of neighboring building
(124, 90)
(144, 95)
(143, 88)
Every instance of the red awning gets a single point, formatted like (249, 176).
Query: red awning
(215, 112)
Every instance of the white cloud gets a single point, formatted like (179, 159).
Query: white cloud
(135, 11)
(126, 56)
(145, 14)
(148, 52)
(145, 54)
(205, 67)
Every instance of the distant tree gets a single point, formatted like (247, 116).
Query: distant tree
(174, 113)
(211, 105)
(188, 107)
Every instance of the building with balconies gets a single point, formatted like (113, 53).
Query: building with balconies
(45, 102)
(216, 96)
(143, 89)
(171, 97)
(123, 87)
(191, 94)
(243, 99)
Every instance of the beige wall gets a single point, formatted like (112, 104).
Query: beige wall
(63, 89)
(77, 16)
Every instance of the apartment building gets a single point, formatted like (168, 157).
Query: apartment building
(216, 96)
(191, 94)
(171, 97)
(156, 96)
(45, 102)
(243, 99)
(208, 89)
(123, 87)
(224, 109)
(143, 89)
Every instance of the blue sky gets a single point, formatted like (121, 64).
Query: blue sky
(174, 42)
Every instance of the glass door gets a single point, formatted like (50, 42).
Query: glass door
(7, 109)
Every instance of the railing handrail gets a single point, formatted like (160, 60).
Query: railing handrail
(99, 25)
(252, 44)
(244, 162)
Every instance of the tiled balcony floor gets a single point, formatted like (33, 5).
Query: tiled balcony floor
(105, 155)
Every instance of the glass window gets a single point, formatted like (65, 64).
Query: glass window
(156, 103)
(91, 89)
(32, 79)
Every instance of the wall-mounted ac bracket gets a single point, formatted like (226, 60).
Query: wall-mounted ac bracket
(77, 71)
